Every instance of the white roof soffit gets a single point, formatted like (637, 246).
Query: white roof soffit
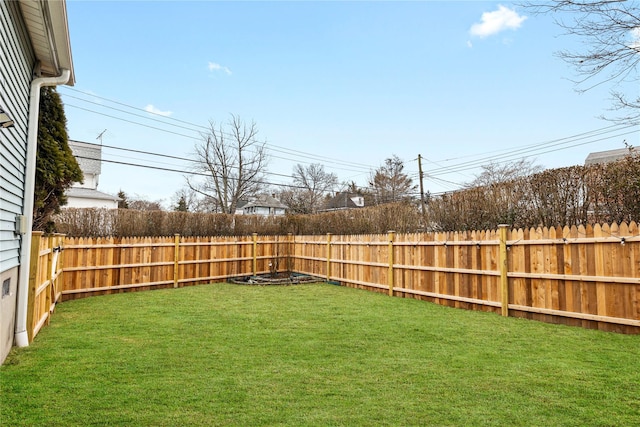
(46, 22)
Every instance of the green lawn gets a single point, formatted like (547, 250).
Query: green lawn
(312, 355)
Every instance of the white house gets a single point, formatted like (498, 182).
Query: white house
(609, 155)
(262, 204)
(35, 51)
(86, 194)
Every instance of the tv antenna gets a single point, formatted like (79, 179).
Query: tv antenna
(99, 137)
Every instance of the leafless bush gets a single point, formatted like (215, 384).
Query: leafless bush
(129, 223)
(555, 197)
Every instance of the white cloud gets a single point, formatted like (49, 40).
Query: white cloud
(217, 67)
(497, 21)
(151, 109)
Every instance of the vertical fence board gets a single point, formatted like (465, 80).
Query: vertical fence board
(551, 268)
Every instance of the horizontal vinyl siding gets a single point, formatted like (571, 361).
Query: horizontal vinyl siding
(16, 65)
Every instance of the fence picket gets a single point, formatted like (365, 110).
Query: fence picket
(588, 276)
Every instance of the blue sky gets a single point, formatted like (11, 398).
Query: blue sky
(344, 84)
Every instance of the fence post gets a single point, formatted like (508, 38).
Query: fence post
(328, 257)
(504, 281)
(176, 258)
(255, 254)
(49, 279)
(289, 252)
(57, 288)
(391, 260)
(34, 266)
(56, 270)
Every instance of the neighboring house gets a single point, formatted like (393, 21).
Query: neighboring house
(86, 194)
(609, 155)
(35, 51)
(344, 200)
(262, 204)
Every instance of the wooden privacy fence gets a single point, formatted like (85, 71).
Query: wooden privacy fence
(44, 284)
(97, 266)
(581, 276)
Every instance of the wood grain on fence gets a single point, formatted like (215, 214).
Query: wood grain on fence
(44, 284)
(581, 276)
(104, 265)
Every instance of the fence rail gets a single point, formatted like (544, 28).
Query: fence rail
(580, 276)
(44, 280)
(106, 265)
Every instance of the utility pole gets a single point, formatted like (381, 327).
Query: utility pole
(422, 202)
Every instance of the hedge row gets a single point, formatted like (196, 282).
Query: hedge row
(131, 223)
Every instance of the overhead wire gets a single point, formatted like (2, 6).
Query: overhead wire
(507, 155)
(191, 160)
(186, 172)
(538, 149)
(308, 156)
(485, 153)
(271, 146)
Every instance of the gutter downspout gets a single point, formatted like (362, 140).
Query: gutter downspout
(21, 337)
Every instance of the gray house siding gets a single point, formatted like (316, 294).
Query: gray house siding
(16, 65)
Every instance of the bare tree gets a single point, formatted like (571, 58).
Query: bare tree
(311, 185)
(193, 201)
(610, 32)
(140, 203)
(390, 184)
(233, 160)
(499, 192)
(493, 173)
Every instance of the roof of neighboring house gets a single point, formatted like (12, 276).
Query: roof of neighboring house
(48, 28)
(343, 200)
(88, 156)
(608, 156)
(262, 201)
(88, 193)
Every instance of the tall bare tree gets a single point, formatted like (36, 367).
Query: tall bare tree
(389, 182)
(311, 184)
(610, 32)
(494, 172)
(138, 202)
(233, 160)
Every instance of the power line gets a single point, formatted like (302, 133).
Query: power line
(511, 155)
(131, 121)
(485, 153)
(187, 172)
(273, 147)
(167, 156)
(507, 155)
(133, 114)
(313, 157)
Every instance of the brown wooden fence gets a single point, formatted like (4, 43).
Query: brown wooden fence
(581, 276)
(95, 266)
(45, 289)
